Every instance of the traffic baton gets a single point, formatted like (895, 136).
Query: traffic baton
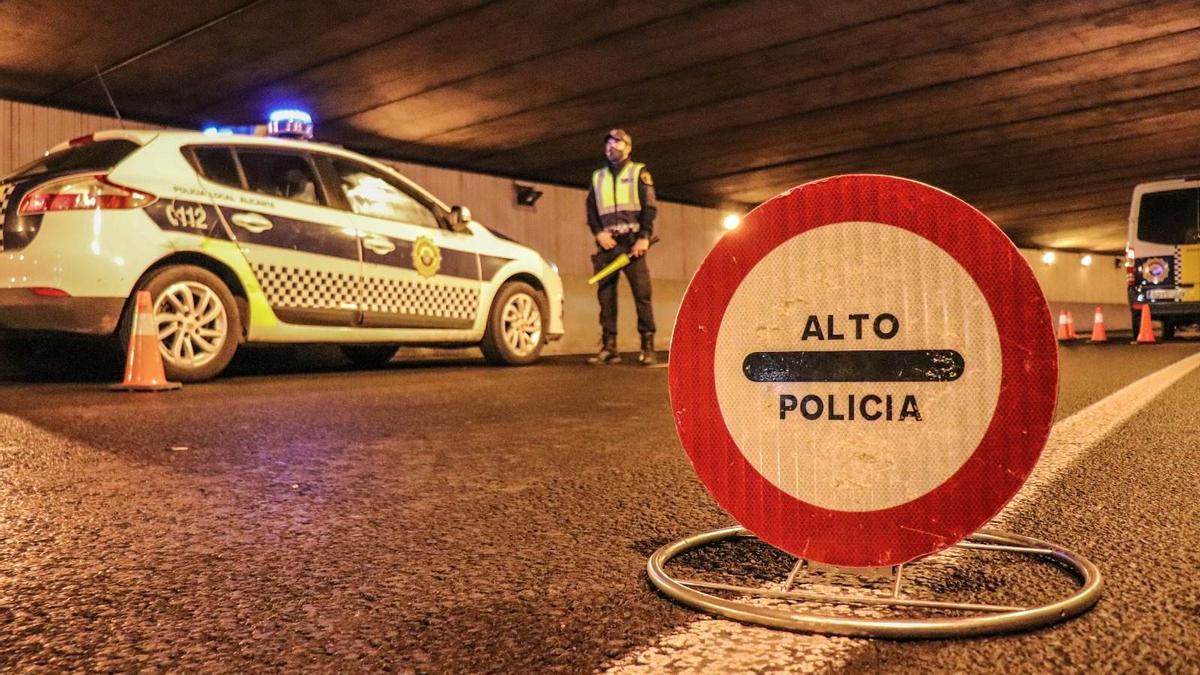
(621, 261)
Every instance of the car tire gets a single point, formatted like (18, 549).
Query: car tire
(207, 327)
(1168, 330)
(516, 326)
(369, 356)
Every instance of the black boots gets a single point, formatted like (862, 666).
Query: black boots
(647, 357)
(608, 354)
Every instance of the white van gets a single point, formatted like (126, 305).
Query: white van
(258, 239)
(1163, 253)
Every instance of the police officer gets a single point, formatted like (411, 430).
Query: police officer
(621, 209)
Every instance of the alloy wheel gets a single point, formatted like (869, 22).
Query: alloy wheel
(192, 324)
(522, 324)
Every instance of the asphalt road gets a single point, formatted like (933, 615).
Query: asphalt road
(445, 516)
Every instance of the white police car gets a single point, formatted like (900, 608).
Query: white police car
(263, 240)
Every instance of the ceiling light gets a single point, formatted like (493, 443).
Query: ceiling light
(1048, 257)
(731, 221)
(1086, 260)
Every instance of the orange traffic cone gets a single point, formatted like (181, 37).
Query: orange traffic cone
(143, 365)
(1146, 331)
(1071, 325)
(1098, 332)
(1063, 333)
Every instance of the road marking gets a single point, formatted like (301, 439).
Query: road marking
(717, 645)
(1072, 437)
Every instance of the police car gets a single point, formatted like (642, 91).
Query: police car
(1163, 253)
(250, 239)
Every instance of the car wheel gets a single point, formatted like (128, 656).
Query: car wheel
(515, 332)
(1168, 330)
(369, 356)
(197, 320)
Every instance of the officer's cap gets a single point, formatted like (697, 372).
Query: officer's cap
(620, 135)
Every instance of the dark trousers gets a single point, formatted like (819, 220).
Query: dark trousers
(638, 274)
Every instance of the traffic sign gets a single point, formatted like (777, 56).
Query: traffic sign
(864, 372)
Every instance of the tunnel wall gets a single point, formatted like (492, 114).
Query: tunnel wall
(556, 226)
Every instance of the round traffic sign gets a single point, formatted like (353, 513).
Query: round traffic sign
(864, 372)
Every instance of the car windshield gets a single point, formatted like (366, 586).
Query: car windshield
(1171, 217)
(94, 156)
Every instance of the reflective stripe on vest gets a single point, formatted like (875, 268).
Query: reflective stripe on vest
(620, 194)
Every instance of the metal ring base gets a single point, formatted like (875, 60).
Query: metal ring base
(982, 619)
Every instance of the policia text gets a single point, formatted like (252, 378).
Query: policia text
(871, 365)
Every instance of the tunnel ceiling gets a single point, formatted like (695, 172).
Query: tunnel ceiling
(1042, 114)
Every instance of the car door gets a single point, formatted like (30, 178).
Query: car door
(416, 272)
(301, 249)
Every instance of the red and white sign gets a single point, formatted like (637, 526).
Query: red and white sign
(864, 372)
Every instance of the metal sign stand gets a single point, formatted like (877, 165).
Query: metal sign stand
(798, 614)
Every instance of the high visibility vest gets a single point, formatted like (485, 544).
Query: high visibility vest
(617, 198)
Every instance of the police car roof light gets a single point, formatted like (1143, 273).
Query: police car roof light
(290, 114)
(295, 124)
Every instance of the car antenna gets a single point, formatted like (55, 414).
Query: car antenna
(100, 76)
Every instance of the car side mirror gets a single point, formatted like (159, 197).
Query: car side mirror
(459, 217)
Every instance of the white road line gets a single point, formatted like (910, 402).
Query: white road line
(1072, 437)
(710, 645)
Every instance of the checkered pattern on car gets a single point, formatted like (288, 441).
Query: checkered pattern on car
(422, 298)
(1177, 268)
(308, 289)
(5, 191)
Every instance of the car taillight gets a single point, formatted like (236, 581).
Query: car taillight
(1129, 260)
(82, 193)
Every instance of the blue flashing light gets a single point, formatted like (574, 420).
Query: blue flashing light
(288, 115)
(290, 123)
(218, 131)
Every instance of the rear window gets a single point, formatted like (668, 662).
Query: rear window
(280, 174)
(94, 156)
(217, 164)
(1171, 217)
